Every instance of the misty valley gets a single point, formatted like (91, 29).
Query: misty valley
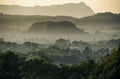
(68, 41)
(47, 29)
(62, 51)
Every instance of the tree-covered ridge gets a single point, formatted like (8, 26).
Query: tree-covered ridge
(14, 67)
(50, 27)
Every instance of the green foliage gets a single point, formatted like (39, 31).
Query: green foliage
(9, 66)
(83, 70)
(13, 67)
(109, 67)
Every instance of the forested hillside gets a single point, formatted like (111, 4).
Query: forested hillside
(14, 67)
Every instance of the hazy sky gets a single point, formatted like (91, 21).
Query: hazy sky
(96, 5)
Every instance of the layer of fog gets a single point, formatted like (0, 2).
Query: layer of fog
(92, 36)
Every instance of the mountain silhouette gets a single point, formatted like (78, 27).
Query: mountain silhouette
(101, 20)
(63, 27)
(71, 9)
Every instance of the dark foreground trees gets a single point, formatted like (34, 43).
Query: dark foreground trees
(109, 67)
(13, 67)
(9, 66)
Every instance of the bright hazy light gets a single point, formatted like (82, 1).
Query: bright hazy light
(96, 5)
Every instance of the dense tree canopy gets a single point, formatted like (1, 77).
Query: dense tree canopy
(14, 67)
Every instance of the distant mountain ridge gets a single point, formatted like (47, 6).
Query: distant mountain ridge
(71, 9)
(102, 20)
(101, 26)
